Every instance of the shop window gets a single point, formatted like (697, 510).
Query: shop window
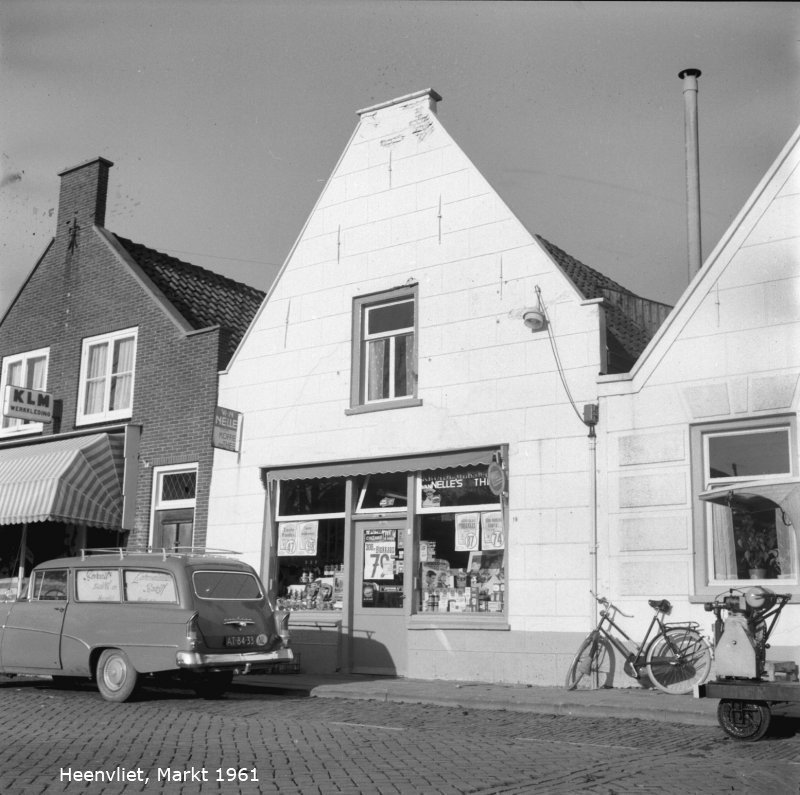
(107, 377)
(310, 543)
(385, 350)
(27, 370)
(461, 543)
(384, 493)
(749, 537)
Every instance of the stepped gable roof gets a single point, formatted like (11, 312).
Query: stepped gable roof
(631, 321)
(203, 297)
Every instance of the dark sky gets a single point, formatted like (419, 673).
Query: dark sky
(225, 119)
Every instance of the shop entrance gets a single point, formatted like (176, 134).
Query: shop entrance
(378, 634)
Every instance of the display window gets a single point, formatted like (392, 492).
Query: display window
(310, 546)
(751, 537)
(461, 549)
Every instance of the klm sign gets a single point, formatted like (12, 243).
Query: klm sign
(28, 404)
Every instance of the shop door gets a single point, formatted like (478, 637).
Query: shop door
(378, 633)
(173, 529)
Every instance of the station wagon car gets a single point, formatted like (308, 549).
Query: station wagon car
(115, 617)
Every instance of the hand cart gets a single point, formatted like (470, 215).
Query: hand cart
(746, 684)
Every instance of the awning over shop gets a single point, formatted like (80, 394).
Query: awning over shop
(385, 466)
(748, 495)
(76, 480)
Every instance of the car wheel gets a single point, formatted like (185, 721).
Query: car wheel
(212, 685)
(116, 677)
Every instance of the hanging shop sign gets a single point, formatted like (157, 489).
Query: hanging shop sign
(496, 478)
(297, 539)
(227, 429)
(492, 535)
(27, 404)
(380, 552)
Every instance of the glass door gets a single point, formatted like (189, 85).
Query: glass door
(378, 632)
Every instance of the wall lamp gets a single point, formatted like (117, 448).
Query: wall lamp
(535, 317)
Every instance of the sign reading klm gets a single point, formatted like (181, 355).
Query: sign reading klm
(28, 404)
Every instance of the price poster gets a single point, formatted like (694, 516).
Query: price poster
(380, 550)
(467, 525)
(297, 539)
(492, 535)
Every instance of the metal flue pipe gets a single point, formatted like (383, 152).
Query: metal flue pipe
(695, 249)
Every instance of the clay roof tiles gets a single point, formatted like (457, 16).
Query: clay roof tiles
(202, 297)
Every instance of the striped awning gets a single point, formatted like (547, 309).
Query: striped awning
(76, 480)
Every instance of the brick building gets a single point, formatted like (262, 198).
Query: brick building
(117, 347)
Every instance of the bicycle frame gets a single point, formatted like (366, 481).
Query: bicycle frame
(635, 658)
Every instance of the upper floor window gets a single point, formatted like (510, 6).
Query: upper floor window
(385, 350)
(107, 376)
(750, 537)
(27, 370)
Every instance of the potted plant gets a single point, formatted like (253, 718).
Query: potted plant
(759, 548)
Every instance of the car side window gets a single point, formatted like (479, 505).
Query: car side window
(50, 585)
(97, 585)
(149, 586)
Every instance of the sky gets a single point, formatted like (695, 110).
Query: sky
(225, 119)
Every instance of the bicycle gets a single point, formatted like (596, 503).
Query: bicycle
(676, 659)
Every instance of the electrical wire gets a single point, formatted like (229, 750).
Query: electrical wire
(556, 356)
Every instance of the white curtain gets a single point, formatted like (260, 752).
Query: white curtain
(122, 375)
(787, 546)
(95, 379)
(724, 545)
(377, 364)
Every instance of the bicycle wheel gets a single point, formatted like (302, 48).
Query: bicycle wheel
(678, 660)
(593, 658)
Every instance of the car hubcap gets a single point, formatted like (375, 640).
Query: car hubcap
(115, 673)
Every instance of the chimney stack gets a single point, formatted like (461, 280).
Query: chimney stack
(83, 193)
(695, 248)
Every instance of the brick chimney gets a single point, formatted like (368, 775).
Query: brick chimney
(83, 195)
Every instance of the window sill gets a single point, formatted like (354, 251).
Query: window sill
(422, 621)
(314, 618)
(709, 593)
(366, 408)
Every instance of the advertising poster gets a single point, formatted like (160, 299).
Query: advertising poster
(297, 539)
(467, 531)
(380, 550)
(492, 536)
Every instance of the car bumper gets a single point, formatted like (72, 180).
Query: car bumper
(239, 662)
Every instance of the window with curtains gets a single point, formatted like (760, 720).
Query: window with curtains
(385, 350)
(749, 537)
(28, 370)
(107, 377)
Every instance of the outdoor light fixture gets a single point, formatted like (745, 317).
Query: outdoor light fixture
(534, 319)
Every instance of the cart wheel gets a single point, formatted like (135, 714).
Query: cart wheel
(743, 720)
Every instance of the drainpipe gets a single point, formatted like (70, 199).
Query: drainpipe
(689, 77)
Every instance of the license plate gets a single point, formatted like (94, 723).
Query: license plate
(240, 640)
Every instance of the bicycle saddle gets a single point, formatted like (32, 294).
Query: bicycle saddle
(662, 606)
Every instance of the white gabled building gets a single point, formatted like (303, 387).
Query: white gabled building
(712, 404)
(413, 478)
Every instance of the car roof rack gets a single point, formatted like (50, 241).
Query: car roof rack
(163, 552)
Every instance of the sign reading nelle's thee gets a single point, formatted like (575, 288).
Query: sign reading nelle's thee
(22, 403)
(227, 429)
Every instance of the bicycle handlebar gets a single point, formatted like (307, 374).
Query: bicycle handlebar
(605, 602)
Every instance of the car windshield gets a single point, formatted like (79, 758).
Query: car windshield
(226, 585)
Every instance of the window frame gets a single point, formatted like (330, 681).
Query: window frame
(705, 585)
(23, 427)
(358, 382)
(107, 414)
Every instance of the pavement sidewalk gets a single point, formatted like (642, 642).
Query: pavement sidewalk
(637, 702)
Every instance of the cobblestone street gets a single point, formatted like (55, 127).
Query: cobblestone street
(56, 741)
